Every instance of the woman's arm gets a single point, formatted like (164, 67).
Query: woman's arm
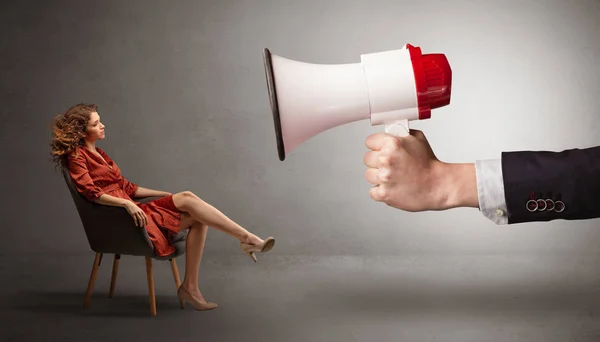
(106, 199)
(135, 191)
(143, 192)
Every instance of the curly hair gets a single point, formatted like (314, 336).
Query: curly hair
(68, 131)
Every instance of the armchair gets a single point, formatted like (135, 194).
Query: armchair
(111, 230)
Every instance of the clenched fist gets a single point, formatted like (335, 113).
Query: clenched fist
(407, 175)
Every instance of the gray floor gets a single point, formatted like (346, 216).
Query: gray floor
(302, 298)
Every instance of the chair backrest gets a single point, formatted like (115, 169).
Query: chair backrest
(108, 229)
(81, 203)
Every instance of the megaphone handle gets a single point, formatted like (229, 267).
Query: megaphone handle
(398, 128)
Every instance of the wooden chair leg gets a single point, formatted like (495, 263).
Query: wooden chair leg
(176, 278)
(113, 279)
(150, 286)
(92, 281)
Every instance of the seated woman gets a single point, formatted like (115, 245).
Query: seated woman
(99, 179)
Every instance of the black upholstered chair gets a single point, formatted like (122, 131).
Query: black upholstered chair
(111, 230)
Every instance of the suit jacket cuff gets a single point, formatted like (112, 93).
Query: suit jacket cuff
(490, 190)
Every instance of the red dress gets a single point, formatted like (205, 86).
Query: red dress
(94, 176)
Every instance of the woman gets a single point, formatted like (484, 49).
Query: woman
(99, 179)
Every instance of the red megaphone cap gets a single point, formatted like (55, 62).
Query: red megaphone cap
(433, 80)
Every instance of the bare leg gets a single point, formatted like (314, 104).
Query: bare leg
(198, 215)
(193, 254)
(212, 217)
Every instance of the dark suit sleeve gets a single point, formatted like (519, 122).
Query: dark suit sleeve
(570, 176)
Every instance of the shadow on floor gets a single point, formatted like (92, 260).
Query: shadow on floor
(71, 304)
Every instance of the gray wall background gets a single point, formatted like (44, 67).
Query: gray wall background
(182, 93)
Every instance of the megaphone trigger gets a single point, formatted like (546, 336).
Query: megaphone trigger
(399, 128)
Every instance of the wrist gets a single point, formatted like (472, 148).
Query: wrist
(126, 203)
(458, 185)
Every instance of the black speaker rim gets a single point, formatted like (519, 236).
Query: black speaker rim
(273, 101)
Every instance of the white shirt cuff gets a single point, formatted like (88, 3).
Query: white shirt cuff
(490, 190)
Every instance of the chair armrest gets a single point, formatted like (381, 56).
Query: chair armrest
(111, 229)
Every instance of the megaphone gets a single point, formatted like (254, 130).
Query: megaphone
(389, 88)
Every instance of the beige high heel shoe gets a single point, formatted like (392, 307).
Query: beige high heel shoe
(250, 249)
(184, 295)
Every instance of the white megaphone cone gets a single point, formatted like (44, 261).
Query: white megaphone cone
(390, 88)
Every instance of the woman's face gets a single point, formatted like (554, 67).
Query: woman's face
(95, 129)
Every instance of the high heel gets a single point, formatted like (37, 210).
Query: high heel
(263, 247)
(184, 295)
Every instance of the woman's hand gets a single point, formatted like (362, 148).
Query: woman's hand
(139, 217)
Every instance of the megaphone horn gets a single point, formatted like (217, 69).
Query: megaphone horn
(390, 88)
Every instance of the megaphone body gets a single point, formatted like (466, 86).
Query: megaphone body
(388, 88)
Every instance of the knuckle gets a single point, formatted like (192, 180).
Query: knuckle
(384, 193)
(384, 175)
(384, 160)
(393, 142)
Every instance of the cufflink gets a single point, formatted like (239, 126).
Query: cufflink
(559, 206)
(499, 212)
(541, 205)
(531, 205)
(549, 204)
